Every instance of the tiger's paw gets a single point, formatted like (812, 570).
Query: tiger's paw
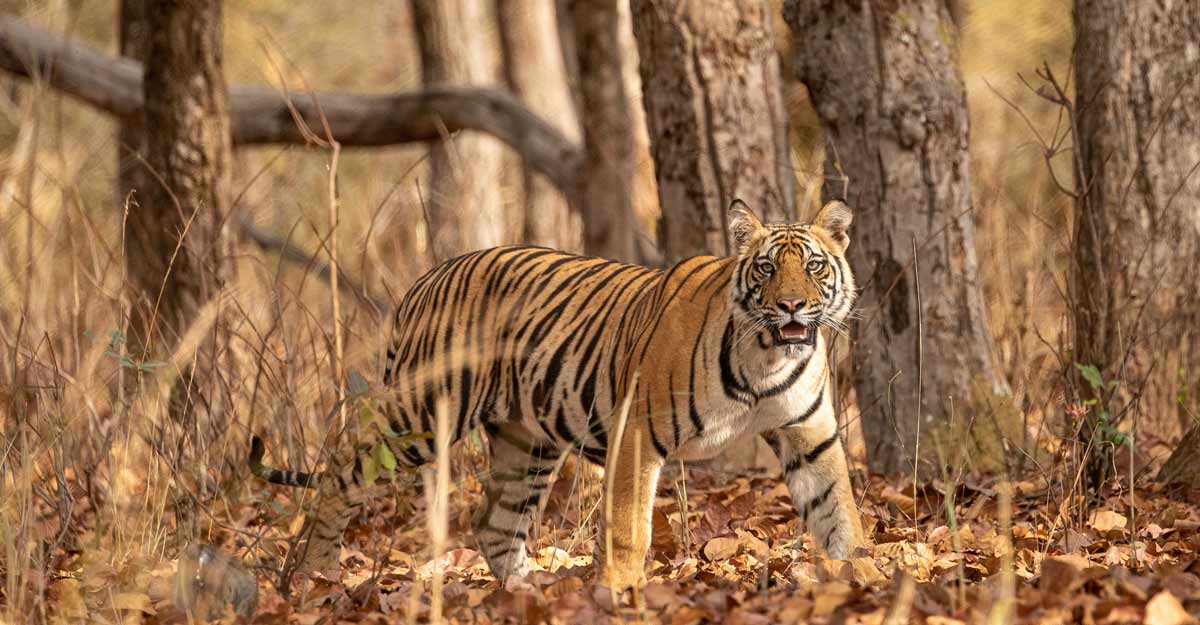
(622, 577)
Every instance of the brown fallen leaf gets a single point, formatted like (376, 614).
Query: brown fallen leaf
(1105, 520)
(691, 615)
(132, 601)
(1062, 572)
(721, 548)
(860, 570)
(829, 597)
(907, 504)
(1165, 609)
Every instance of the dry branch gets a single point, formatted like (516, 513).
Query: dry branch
(260, 114)
(288, 250)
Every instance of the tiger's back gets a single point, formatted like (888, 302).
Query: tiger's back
(517, 333)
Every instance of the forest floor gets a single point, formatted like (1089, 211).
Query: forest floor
(1126, 559)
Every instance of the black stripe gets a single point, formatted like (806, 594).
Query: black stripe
(693, 411)
(734, 389)
(528, 503)
(786, 384)
(674, 412)
(820, 448)
(662, 451)
(810, 411)
(816, 502)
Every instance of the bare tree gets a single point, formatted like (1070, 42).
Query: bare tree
(1137, 229)
(133, 41)
(177, 238)
(714, 109)
(897, 127)
(605, 193)
(536, 70)
(465, 211)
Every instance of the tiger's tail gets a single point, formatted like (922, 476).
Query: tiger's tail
(283, 477)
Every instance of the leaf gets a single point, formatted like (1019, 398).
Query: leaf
(1061, 572)
(1165, 609)
(1105, 520)
(721, 548)
(133, 601)
(662, 537)
(356, 384)
(907, 504)
(386, 459)
(1091, 374)
(370, 468)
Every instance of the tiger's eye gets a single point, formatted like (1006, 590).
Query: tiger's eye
(766, 267)
(815, 265)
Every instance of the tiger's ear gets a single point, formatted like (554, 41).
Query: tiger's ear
(744, 227)
(835, 218)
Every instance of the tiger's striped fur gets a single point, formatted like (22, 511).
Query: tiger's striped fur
(539, 348)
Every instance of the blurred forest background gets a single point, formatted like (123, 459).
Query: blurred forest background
(1026, 370)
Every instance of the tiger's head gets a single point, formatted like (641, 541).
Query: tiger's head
(791, 279)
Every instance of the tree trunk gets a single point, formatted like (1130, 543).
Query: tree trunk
(897, 127)
(463, 199)
(537, 73)
(605, 193)
(714, 109)
(712, 92)
(1183, 466)
(178, 240)
(133, 43)
(1137, 230)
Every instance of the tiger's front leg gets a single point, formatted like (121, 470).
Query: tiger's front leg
(631, 480)
(818, 480)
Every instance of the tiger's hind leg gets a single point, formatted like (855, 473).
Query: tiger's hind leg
(340, 497)
(521, 469)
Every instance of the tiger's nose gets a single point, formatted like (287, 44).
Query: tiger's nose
(791, 304)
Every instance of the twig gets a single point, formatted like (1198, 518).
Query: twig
(289, 251)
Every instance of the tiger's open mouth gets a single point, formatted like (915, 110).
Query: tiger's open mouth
(796, 333)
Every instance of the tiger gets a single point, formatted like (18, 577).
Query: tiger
(628, 366)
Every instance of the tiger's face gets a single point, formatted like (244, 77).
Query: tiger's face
(792, 279)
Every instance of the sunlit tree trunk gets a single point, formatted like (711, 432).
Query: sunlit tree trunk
(714, 108)
(884, 80)
(463, 198)
(605, 193)
(1137, 230)
(537, 72)
(178, 240)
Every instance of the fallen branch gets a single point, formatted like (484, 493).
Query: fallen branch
(260, 114)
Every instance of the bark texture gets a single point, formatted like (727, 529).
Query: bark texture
(1137, 230)
(714, 109)
(188, 154)
(133, 44)
(605, 191)
(884, 81)
(537, 72)
(465, 211)
(1183, 466)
